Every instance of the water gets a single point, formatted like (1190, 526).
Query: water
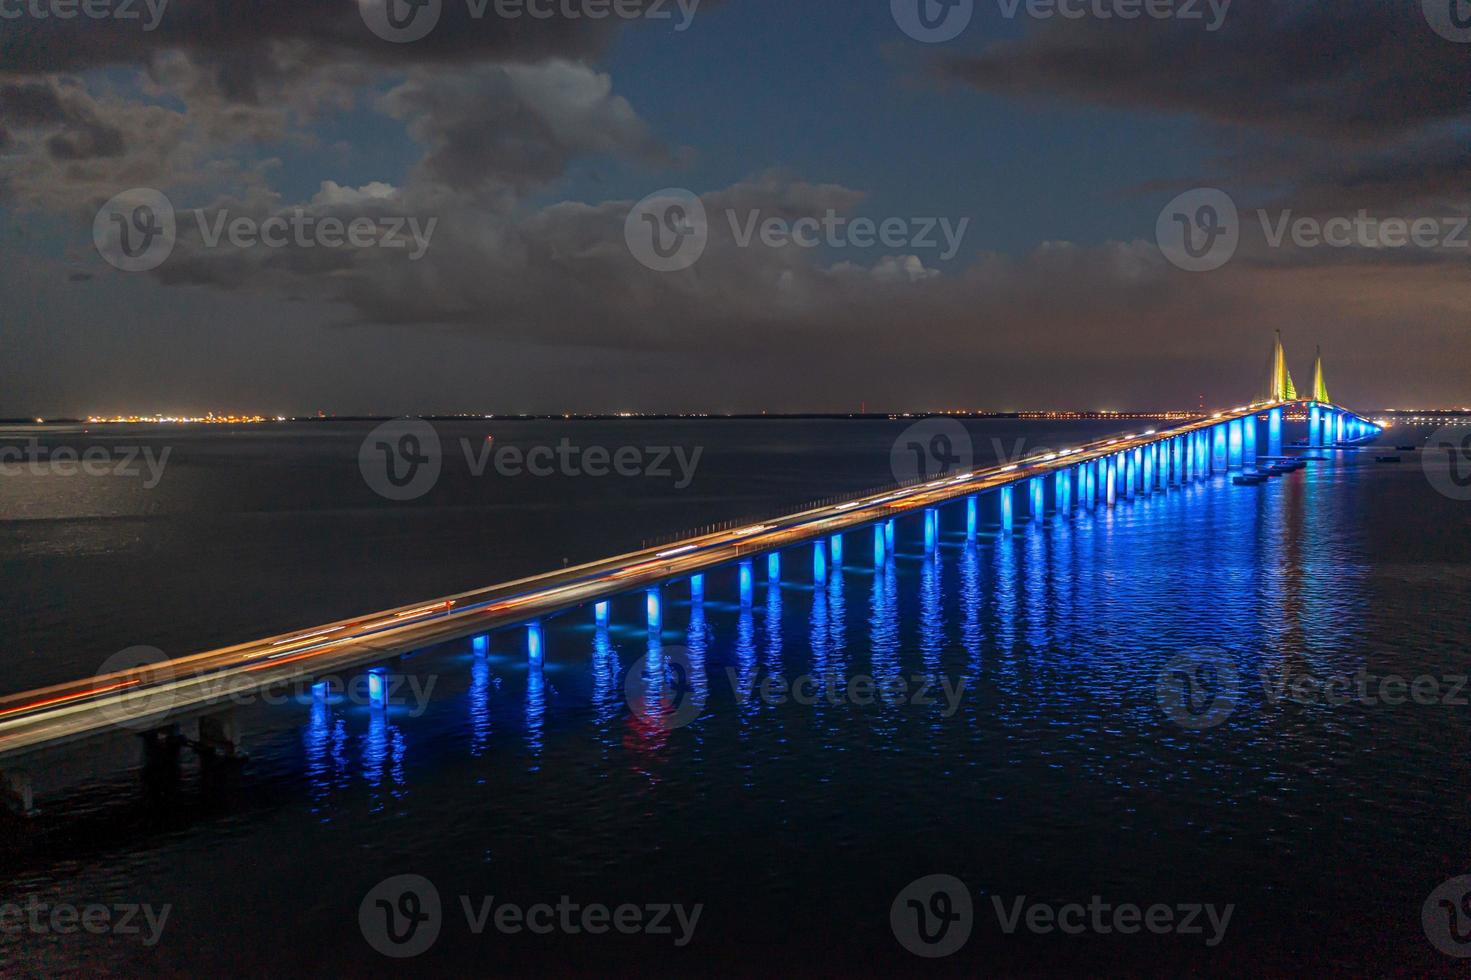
(1055, 775)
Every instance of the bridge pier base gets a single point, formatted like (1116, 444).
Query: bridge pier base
(16, 792)
(219, 736)
(1008, 508)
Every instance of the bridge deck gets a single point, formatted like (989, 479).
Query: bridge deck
(160, 694)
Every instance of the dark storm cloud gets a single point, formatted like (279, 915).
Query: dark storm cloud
(1349, 70)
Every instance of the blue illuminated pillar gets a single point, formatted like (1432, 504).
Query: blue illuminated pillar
(1220, 453)
(1315, 433)
(534, 651)
(1007, 507)
(837, 547)
(889, 535)
(600, 613)
(819, 562)
(1064, 488)
(1338, 422)
(1087, 485)
(931, 529)
(773, 567)
(972, 517)
(880, 546)
(1113, 480)
(378, 688)
(1038, 491)
(1150, 455)
(1248, 439)
(1131, 471)
(1274, 432)
(697, 588)
(748, 582)
(1236, 445)
(480, 645)
(655, 605)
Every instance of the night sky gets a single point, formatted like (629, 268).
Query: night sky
(1059, 142)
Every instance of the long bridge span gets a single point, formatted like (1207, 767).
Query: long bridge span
(204, 688)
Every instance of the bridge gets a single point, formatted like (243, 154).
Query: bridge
(203, 691)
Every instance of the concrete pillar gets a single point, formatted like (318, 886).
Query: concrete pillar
(1064, 486)
(16, 792)
(1008, 507)
(653, 605)
(972, 518)
(773, 565)
(880, 546)
(1038, 498)
(1235, 445)
(931, 530)
(748, 582)
(697, 588)
(1151, 453)
(219, 735)
(1112, 480)
(1315, 434)
(837, 549)
(1248, 440)
(819, 562)
(889, 534)
(1274, 432)
(1131, 474)
(1338, 435)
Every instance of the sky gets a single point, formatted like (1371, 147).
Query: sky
(675, 208)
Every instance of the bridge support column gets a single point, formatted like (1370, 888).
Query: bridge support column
(880, 547)
(1038, 499)
(931, 530)
(16, 792)
(972, 517)
(1063, 487)
(1338, 427)
(653, 606)
(819, 562)
(697, 588)
(1220, 452)
(1248, 440)
(1131, 474)
(773, 565)
(536, 647)
(1006, 497)
(600, 613)
(1274, 432)
(1315, 433)
(219, 736)
(1235, 445)
(837, 550)
(1112, 480)
(889, 534)
(1150, 455)
(748, 582)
